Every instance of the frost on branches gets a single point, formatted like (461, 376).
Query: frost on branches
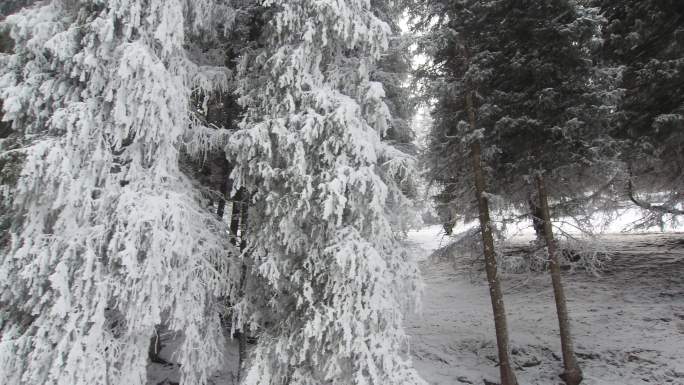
(108, 237)
(328, 283)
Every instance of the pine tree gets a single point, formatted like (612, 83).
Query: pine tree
(392, 70)
(535, 108)
(456, 162)
(536, 96)
(108, 238)
(495, 293)
(326, 282)
(645, 40)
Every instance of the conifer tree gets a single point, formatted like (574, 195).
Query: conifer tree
(326, 284)
(528, 67)
(645, 41)
(392, 70)
(536, 94)
(108, 237)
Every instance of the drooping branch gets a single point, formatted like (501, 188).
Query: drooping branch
(649, 206)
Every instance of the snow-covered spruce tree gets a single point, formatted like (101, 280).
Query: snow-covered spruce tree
(392, 71)
(516, 78)
(327, 280)
(108, 238)
(535, 99)
(645, 39)
(448, 23)
(536, 96)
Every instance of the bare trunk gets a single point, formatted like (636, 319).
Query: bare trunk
(242, 335)
(572, 374)
(221, 209)
(537, 222)
(238, 228)
(495, 293)
(222, 201)
(235, 217)
(155, 348)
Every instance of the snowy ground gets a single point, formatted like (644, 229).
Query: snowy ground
(628, 323)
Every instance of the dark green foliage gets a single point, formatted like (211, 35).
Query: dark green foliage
(536, 103)
(646, 40)
(8, 7)
(6, 43)
(221, 109)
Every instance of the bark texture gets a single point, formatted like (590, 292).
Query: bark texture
(242, 334)
(572, 374)
(238, 231)
(495, 292)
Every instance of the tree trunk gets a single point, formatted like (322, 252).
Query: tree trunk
(572, 374)
(242, 335)
(235, 217)
(238, 228)
(221, 208)
(222, 201)
(495, 293)
(537, 222)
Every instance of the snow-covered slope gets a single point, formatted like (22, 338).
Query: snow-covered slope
(628, 322)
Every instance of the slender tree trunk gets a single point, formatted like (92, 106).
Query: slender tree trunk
(235, 217)
(221, 209)
(495, 293)
(572, 374)
(155, 348)
(222, 201)
(242, 335)
(536, 216)
(238, 226)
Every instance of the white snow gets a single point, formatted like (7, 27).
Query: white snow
(424, 241)
(628, 323)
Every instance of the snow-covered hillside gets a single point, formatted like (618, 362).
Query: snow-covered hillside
(628, 322)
